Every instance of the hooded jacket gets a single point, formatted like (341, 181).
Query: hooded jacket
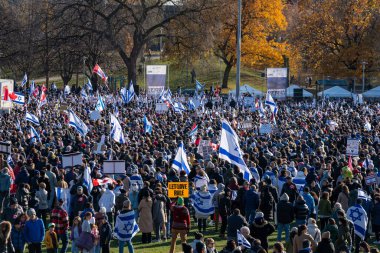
(325, 246)
(301, 210)
(6, 245)
(5, 182)
(215, 197)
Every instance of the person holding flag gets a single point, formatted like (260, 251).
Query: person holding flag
(358, 216)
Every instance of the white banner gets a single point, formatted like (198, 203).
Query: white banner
(352, 147)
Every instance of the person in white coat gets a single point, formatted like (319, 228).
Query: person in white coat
(107, 200)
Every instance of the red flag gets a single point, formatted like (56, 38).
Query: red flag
(6, 93)
(43, 88)
(36, 91)
(97, 70)
(43, 98)
(106, 180)
(13, 185)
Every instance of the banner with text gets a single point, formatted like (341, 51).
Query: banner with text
(155, 79)
(277, 82)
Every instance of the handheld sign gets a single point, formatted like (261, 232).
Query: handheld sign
(352, 147)
(370, 180)
(5, 148)
(114, 167)
(178, 189)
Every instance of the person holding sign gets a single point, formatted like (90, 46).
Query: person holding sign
(181, 223)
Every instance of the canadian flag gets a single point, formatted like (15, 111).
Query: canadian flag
(104, 181)
(97, 70)
(43, 88)
(36, 92)
(43, 100)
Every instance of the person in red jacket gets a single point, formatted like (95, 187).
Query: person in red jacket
(181, 223)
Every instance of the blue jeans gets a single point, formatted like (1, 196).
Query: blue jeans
(129, 245)
(74, 248)
(250, 215)
(300, 222)
(280, 228)
(65, 241)
(97, 248)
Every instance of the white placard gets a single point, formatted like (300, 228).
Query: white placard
(246, 125)
(205, 149)
(5, 148)
(352, 147)
(156, 69)
(265, 129)
(114, 167)
(161, 108)
(95, 115)
(73, 159)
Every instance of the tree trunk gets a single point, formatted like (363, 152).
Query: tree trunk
(226, 75)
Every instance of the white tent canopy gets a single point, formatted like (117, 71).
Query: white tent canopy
(290, 91)
(335, 92)
(372, 93)
(247, 89)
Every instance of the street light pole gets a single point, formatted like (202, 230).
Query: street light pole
(238, 52)
(363, 81)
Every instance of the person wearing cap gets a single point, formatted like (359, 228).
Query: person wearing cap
(60, 218)
(181, 223)
(285, 216)
(290, 188)
(77, 203)
(11, 212)
(261, 229)
(51, 239)
(34, 231)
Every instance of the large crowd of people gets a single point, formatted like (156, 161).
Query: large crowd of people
(303, 189)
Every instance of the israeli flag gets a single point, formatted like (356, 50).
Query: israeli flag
(130, 93)
(89, 85)
(198, 85)
(24, 80)
(255, 174)
(126, 227)
(191, 105)
(242, 241)
(178, 107)
(123, 94)
(83, 93)
(148, 128)
(64, 194)
(18, 125)
(10, 161)
(77, 123)
(363, 195)
(100, 104)
(269, 101)
(32, 118)
(34, 135)
(31, 88)
(230, 151)
(19, 99)
(87, 180)
(180, 160)
(202, 203)
(67, 90)
(261, 111)
(116, 130)
(300, 184)
(359, 217)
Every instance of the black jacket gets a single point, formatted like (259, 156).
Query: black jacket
(224, 206)
(285, 212)
(325, 246)
(8, 247)
(105, 233)
(301, 210)
(261, 232)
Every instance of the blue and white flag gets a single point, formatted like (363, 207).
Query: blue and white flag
(10, 161)
(359, 217)
(123, 94)
(88, 84)
(116, 130)
(178, 107)
(300, 184)
(31, 88)
(18, 125)
(363, 195)
(230, 151)
(34, 136)
(191, 105)
(83, 93)
(261, 110)
(87, 180)
(32, 118)
(202, 203)
(242, 241)
(24, 80)
(100, 106)
(269, 101)
(255, 174)
(198, 86)
(126, 227)
(130, 93)
(64, 194)
(19, 99)
(148, 128)
(77, 123)
(180, 160)
(67, 90)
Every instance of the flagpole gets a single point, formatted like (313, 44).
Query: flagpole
(238, 53)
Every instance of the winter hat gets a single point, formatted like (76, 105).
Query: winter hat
(259, 215)
(284, 197)
(51, 225)
(31, 212)
(311, 221)
(102, 210)
(180, 201)
(13, 201)
(326, 235)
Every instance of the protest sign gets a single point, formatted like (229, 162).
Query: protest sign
(178, 189)
(352, 147)
(70, 160)
(114, 167)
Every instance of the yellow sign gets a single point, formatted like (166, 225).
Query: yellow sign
(178, 189)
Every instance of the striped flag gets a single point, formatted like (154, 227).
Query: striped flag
(202, 203)
(77, 123)
(24, 80)
(32, 118)
(126, 227)
(97, 70)
(242, 241)
(34, 135)
(104, 181)
(64, 194)
(87, 178)
(100, 106)
(180, 160)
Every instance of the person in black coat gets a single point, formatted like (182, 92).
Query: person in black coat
(301, 211)
(285, 216)
(105, 233)
(290, 188)
(6, 245)
(326, 245)
(261, 229)
(224, 209)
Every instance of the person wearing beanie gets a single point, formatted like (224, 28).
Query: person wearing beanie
(313, 229)
(51, 239)
(181, 223)
(261, 229)
(326, 245)
(285, 216)
(11, 212)
(34, 232)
